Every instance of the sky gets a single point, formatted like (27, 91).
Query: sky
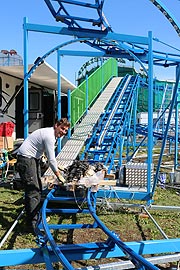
(132, 17)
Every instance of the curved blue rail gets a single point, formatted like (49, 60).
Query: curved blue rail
(49, 237)
(136, 259)
(60, 13)
(64, 252)
(164, 10)
(43, 228)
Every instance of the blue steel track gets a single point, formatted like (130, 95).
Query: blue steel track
(103, 40)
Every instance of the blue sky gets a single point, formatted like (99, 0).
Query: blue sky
(132, 17)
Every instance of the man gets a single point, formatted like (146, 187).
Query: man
(40, 141)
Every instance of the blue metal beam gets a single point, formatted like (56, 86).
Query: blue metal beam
(87, 251)
(78, 3)
(124, 194)
(83, 33)
(150, 113)
(64, 16)
(82, 53)
(61, 13)
(86, 33)
(126, 45)
(173, 100)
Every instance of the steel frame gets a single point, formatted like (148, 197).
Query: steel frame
(105, 141)
(110, 45)
(49, 252)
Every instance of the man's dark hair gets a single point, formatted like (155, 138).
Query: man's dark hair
(63, 122)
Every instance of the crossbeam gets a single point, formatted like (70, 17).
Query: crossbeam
(87, 251)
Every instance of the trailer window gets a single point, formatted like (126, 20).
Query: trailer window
(34, 101)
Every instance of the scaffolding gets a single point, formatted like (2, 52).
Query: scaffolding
(10, 58)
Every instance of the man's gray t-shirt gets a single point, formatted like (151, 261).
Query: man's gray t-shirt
(40, 141)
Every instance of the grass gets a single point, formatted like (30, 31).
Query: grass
(129, 223)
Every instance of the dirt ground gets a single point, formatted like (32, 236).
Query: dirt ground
(129, 224)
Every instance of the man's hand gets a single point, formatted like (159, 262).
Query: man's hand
(57, 182)
(61, 179)
(60, 183)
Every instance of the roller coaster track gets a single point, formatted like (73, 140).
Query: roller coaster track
(112, 126)
(141, 129)
(167, 14)
(61, 13)
(104, 36)
(67, 253)
(98, 38)
(62, 252)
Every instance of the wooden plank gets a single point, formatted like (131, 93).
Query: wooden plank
(107, 183)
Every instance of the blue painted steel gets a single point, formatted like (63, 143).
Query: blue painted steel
(58, 96)
(46, 227)
(59, 84)
(137, 260)
(57, 251)
(47, 258)
(60, 13)
(26, 96)
(135, 117)
(81, 33)
(103, 146)
(110, 243)
(167, 14)
(167, 125)
(142, 129)
(69, 111)
(63, 15)
(87, 91)
(176, 133)
(86, 251)
(124, 194)
(82, 53)
(110, 49)
(112, 247)
(28, 74)
(150, 113)
(103, 41)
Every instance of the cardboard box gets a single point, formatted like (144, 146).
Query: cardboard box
(1, 142)
(6, 143)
